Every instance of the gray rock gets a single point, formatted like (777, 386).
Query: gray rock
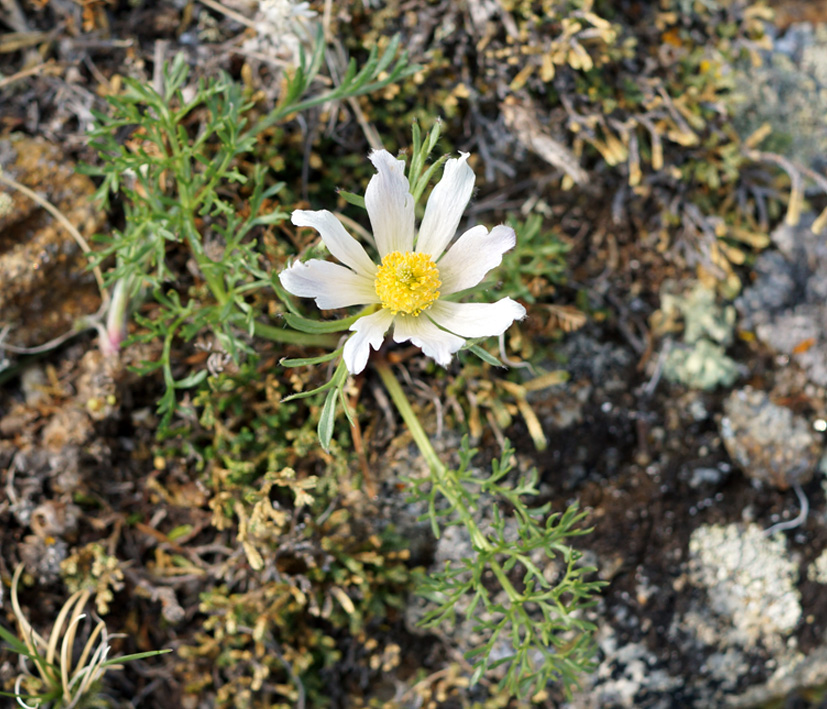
(769, 442)
(787, 303)
(626, 673)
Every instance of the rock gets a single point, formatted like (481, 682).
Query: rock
(626, 673)
(786, 305)
(750, 582)
(769, 442)
(51, 519)
(786, 90)
(705, 476)
(791, 677)
(736, 609)
(46, 284)
(43, 557)
(588, 357)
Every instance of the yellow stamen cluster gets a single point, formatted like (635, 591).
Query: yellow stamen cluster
(407, 283)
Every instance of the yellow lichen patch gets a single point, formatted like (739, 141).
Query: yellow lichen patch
(407, 283)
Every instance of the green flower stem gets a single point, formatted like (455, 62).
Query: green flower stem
(294, 337)
(445, 480)
(403, 406)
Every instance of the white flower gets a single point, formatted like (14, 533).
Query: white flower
(415, 272)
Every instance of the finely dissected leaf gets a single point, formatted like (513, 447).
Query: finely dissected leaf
(183, 187)
(547, 641)
(532, 568)
(191, 380)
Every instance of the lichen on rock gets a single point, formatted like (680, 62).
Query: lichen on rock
(750, 581)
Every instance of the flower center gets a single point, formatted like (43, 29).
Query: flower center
(407, 283)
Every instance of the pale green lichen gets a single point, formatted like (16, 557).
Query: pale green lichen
(703, 316)
(817, 571)
(701, 362)
(750, 580)
(6, 204)
(703, 366)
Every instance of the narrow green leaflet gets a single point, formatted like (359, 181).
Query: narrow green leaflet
(17, 645)
(485, 356)
(350, 198)
(304, 394)
(314, 327)
(307, 361)
(134, 656)
(327, 419)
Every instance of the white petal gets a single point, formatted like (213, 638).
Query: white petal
(473, 255)
(446, 204)
(476, 319)
(424, 334)
(341, 244)
(369, 331)
(390, 204)
(333, 286)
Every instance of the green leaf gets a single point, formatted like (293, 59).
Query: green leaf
(304, 394)
(478, 673)
(307, 361)
(532, 568)
(349, 414)
(134, 656)
(272, 218)
(327, 419)
(354, 199)
(425, 178)
(485, 356)
(14, 642)
(27, 697)
(192, 380)
(315, 327)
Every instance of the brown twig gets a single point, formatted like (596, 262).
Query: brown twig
(26, 73)
(227, 12)
(90, 323)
